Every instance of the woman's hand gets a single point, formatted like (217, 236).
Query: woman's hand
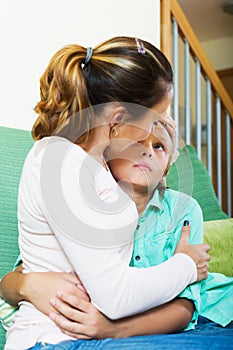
(80, 319)
(40, 287)
(198, 252)
(170, 125)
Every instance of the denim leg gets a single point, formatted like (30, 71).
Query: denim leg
(207, 335)
(71, 345)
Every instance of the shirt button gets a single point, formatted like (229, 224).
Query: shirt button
(137, 257)
(138, 227)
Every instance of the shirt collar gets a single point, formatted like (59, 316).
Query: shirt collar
(156, 201)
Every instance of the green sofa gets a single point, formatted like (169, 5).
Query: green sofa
(187, 175)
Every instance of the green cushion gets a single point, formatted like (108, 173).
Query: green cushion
(14, 146)
(190, 176)
(187, 175)
(219, 235)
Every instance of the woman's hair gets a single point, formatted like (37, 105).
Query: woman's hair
(121, 69)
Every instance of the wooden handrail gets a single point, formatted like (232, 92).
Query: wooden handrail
(171, 8)
(166, 25)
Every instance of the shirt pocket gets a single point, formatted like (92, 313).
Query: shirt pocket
(160, 247)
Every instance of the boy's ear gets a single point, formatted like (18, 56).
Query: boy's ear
(163, 180)
(171, 160)
(162, 186)
(174, 157)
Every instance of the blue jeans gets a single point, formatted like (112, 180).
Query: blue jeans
(207, 335)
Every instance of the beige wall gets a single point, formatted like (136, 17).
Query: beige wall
(220, 52)
(31, 31)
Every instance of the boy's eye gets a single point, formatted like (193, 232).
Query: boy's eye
(159, 146)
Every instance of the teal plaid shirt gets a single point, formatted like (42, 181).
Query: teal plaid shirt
(158, 232)
(156, 238)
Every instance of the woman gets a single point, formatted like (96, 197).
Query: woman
(72, 215)
(154, 242)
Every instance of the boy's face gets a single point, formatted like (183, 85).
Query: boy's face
(144, 163)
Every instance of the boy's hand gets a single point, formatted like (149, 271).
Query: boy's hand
(198, 252)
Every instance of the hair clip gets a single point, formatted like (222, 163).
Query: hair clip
(89, 55)
(140, 46)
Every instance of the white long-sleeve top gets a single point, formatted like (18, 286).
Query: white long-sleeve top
(74, 217)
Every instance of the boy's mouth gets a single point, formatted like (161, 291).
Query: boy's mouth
(142, 166)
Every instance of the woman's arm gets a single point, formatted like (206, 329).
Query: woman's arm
(129, 290)
(39, 288)
(80, 319)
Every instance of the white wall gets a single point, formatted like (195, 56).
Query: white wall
(32, 31)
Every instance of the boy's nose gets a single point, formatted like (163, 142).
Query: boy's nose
(146, 153)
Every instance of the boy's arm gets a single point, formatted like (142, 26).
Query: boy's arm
(168, 318)
(192, 292)
(80, 319)
(11, 286)
(9, 290)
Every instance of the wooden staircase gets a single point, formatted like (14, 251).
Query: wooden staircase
(202, 108)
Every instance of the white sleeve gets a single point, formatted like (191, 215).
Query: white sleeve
(115, 289)
(119, 290)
